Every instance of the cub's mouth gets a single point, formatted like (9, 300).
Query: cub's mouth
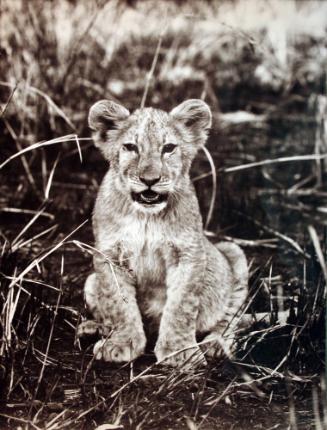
(149, 197)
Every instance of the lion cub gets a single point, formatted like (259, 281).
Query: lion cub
(153, 262)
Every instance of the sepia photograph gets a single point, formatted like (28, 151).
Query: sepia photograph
(163, 214)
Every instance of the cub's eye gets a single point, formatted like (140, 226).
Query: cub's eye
(169, 148)
(130, 147)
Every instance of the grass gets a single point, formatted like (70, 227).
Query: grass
(260, 182)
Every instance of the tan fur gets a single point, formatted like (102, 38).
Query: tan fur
(154, 261)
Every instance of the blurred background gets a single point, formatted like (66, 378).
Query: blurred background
(262, 67)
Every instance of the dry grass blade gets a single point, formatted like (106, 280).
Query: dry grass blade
(52, 424)
(21, 420)
(202, 176)
(147, 369)
(79, 43)
(109, 427)
(48, 99)
(37, 261)
(21, 244)
(6, 321)
(216, 401)
(282, 236)
(267, 243)
(27, 211)
(28, 225)
(291, 408)
(44, 363)
(79, 148)
(319, 425)
(49, 183)
(23, 159)
(214, 186)
(153, 66)
(309, 157)
(34, 281)
(62, 139)
(3, 111)
(316, 244)
(48, 344)
(324, 398)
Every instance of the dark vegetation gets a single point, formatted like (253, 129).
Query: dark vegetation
(57, 58)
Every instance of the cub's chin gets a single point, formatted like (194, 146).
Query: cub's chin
(149, 201)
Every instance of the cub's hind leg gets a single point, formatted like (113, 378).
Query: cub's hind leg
(226, 284)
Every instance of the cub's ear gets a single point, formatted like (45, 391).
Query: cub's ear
(194, 113)
(104, 114)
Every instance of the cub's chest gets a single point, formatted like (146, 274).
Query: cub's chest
(147, 249)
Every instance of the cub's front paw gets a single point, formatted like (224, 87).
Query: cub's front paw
(120, 347)
(180, 355)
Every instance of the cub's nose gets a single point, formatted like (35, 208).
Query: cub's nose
(149, 181)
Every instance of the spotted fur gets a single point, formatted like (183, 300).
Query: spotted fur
(153, 261)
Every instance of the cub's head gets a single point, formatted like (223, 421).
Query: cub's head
(150, 151)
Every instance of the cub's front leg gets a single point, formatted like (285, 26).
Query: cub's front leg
(110, 295)
(176, 344)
